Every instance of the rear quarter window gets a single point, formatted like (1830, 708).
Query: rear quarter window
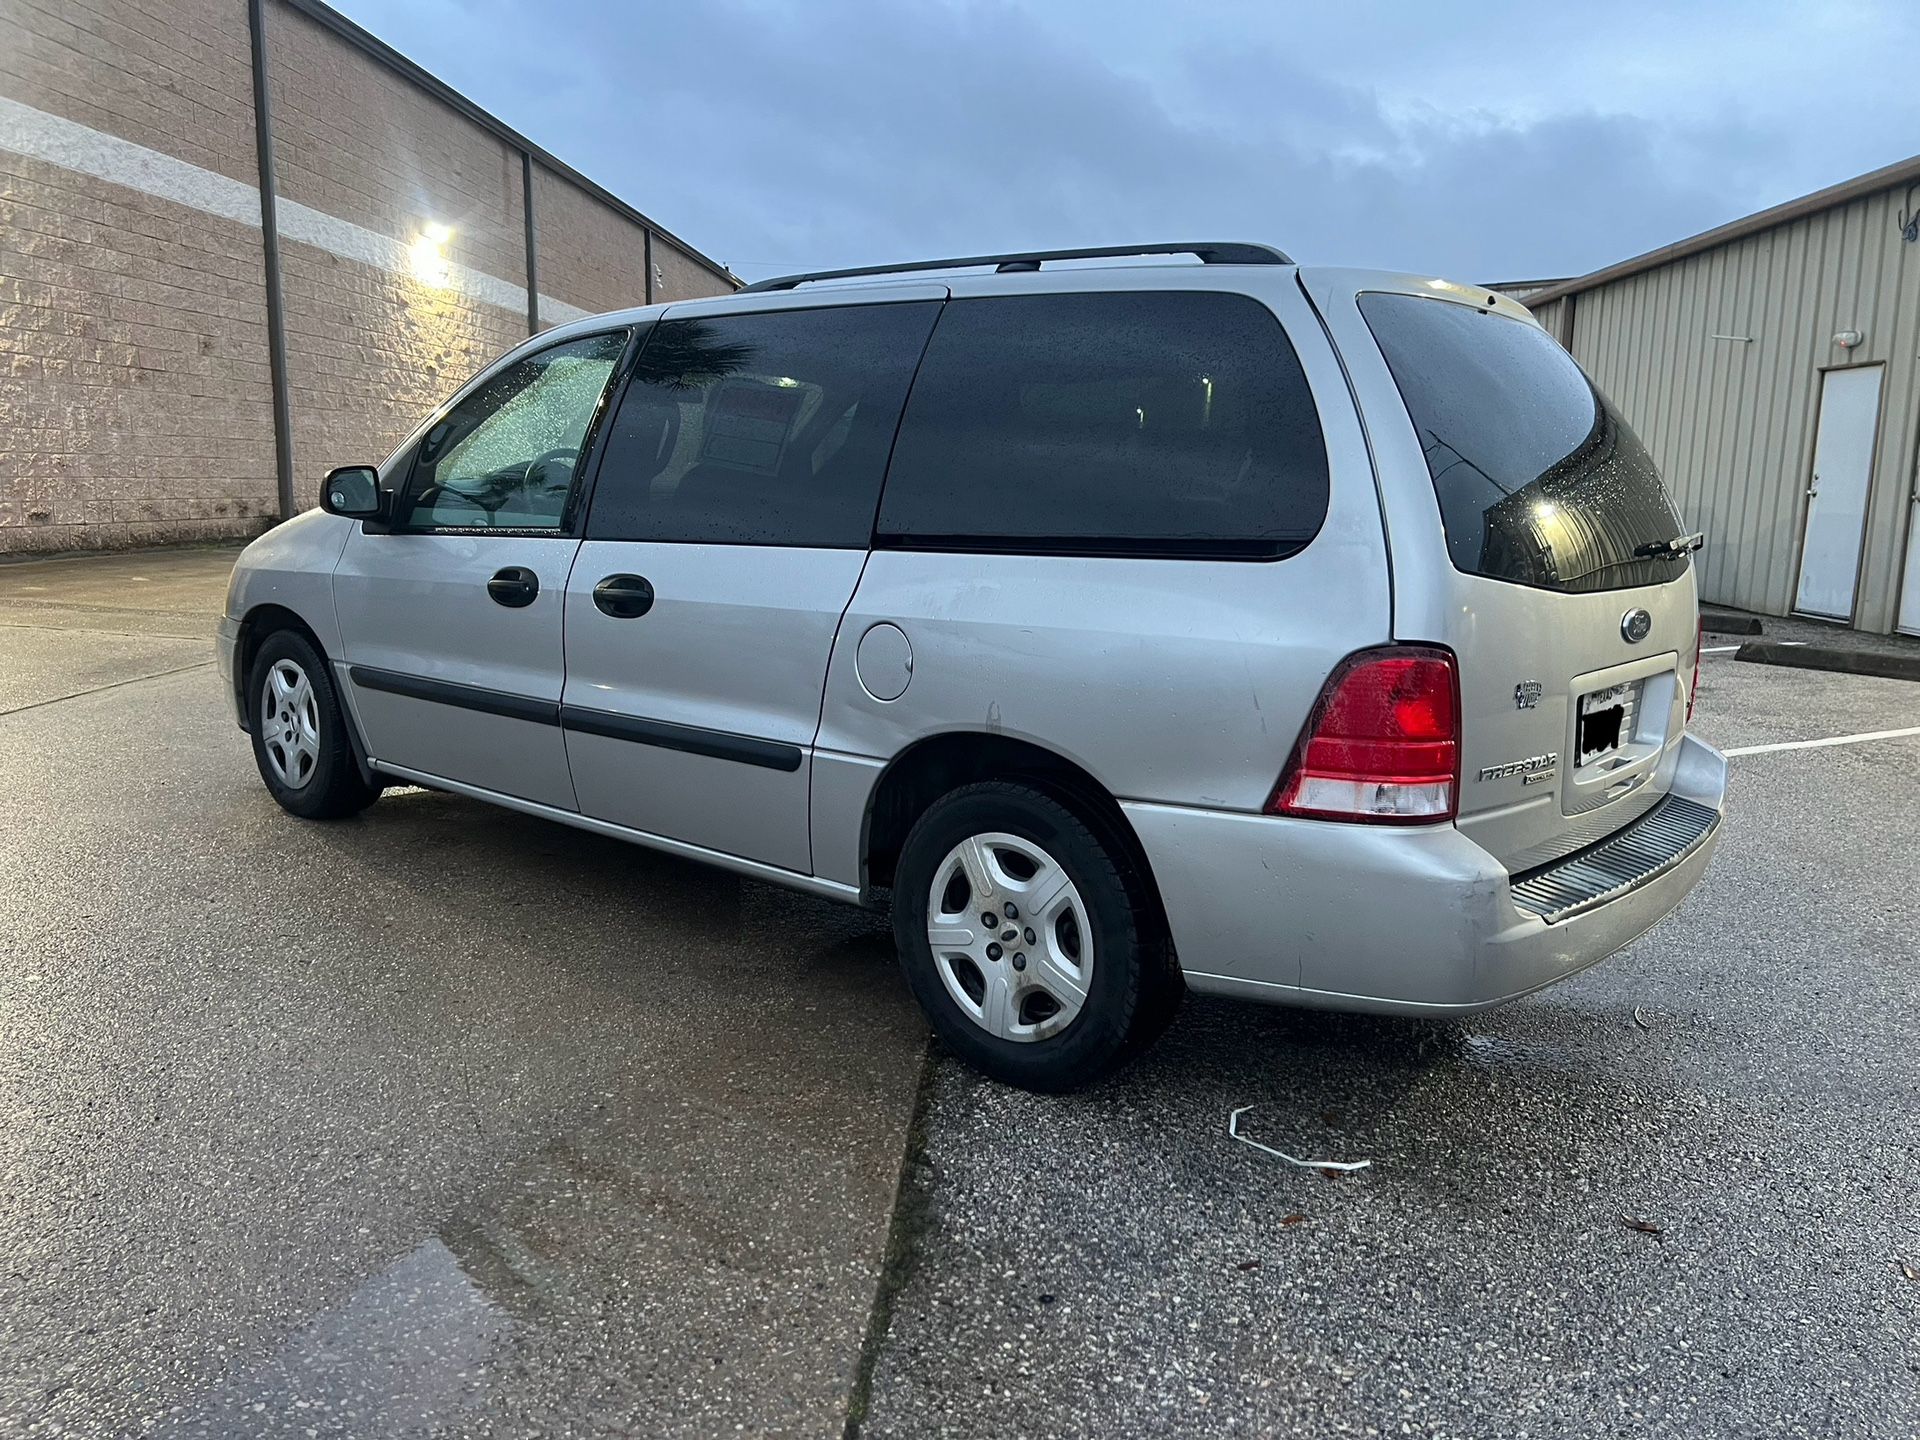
(1169, 422)
(1540, 481)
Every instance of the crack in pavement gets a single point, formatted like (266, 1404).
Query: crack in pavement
(112, 685)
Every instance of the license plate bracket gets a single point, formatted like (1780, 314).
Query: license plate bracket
(1602, 725)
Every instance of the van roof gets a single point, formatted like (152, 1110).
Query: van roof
(919, 279)
(1208, 252)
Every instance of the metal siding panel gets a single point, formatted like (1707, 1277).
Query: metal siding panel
(1713, 415)
(1775, 486)
(1732, 363)
(1690, 379)
(1799, 318)
(1731, 424)
(1747, 486)
(1904, 383)
(1888, 505)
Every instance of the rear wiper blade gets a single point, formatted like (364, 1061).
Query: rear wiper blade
(1670, 549)
(1651, 550)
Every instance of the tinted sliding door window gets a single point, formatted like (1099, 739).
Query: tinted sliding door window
(1165, 422)
(763, 429)
(504, 457)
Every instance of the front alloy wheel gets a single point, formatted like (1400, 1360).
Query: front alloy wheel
(289, 724)
(300, 740)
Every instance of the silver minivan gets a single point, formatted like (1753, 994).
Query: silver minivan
(1317, 636)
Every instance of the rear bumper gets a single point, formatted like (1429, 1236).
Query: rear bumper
(1418, 921)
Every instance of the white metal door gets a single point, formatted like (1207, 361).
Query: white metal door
(1837, 503)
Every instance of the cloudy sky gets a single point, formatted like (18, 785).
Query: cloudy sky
(1486, 141)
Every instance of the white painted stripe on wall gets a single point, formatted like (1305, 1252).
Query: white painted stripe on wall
(72, 146)
(40, 136)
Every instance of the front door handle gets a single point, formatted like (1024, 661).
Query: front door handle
(514, 587)
(624, 597)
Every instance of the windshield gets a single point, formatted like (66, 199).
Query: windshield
(1540, 481)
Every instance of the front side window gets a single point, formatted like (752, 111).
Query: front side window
(1540, 482)
(760, 429)
(1139, 423)
(504, 457)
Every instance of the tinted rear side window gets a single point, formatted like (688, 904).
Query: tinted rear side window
(1168, 422)
(1539, 479)
(767, 429)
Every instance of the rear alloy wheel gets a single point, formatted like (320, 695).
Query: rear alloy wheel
(1032, 945)
(300, 739)
(1009, 936)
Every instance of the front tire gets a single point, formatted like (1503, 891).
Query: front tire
(300, 740)
(1071, 976)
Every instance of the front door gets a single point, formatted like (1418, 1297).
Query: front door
(729, 523)
(451, 619)
(1837, 496)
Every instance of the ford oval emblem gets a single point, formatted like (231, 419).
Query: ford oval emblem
(1635, 626)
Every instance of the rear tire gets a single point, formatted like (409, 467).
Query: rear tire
(1087, 978)
(300, 739)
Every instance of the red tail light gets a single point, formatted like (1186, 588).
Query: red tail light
(1382, 744)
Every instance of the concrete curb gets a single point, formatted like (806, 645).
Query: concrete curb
(1829, 657)
(1722, 624)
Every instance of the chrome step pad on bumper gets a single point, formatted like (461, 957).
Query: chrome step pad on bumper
(1625, 860)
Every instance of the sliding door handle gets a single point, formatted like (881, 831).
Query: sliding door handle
(624, 597)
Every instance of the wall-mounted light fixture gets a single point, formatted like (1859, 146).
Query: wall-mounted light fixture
(428, 254)
(1847, 339)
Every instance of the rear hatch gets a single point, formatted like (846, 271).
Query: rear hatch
(1560, 574)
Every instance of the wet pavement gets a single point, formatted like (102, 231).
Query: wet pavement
(443, 1120)
(449, 1121)
(1745, 1080)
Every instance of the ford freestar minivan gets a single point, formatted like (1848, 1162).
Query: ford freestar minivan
(1321, 637)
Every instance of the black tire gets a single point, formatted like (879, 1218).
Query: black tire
(1134, 985)
(328, 785)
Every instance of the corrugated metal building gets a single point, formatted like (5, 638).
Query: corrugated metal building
(1772, 366)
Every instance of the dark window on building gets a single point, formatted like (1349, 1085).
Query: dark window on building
(764, 429)
(1150, 422)
(504, 457)
(1539, 479)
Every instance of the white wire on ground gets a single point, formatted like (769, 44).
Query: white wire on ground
(1233, 1129)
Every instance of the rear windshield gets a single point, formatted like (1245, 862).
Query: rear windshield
(1540, 481)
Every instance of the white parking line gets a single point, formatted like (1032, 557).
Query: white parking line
(1830, 740)
(1719, 649)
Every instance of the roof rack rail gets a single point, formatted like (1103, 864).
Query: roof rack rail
(1208, 252)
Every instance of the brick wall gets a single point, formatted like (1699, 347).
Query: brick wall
(135, 388)
(135, 403)
(589, 255)
(678, 276)
(172, 74)
(370, 350)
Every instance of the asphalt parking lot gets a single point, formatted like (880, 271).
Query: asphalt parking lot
(1745, 1079)
(437, 1121)
(449, 1121)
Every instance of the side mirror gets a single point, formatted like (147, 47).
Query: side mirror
(354, 492)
